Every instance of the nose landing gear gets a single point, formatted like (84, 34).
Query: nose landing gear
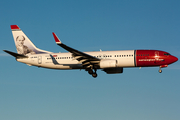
(162, 66)
(160, 71)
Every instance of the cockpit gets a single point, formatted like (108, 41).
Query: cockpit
(167, 54)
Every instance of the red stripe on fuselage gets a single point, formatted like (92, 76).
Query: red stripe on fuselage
(145, 58)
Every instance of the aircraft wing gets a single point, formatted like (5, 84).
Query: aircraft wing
(86, 59)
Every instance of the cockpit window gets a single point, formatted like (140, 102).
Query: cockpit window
(167, 54)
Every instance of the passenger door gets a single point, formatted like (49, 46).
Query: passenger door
(39, 59)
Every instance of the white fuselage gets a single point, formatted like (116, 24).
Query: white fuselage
(110, 62)
(125, 58)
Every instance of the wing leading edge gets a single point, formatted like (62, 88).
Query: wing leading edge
(87, 60)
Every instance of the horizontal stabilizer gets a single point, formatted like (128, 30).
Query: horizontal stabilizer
(15, 54)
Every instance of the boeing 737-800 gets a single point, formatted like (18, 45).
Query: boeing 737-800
(109, 61)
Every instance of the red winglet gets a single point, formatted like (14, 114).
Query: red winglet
(56, 38)
(14, 27)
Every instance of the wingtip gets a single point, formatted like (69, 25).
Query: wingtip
(57, 40)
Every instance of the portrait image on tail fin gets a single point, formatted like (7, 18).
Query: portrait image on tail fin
(23, 44)
(21, 47)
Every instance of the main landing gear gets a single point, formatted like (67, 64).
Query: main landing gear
(93, 73)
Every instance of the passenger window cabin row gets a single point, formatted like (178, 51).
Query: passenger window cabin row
(104, 56)
(123, 56)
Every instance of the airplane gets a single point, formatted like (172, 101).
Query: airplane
(111, 62)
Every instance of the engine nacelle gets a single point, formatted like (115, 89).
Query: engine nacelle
(108, 63)
(113, 70)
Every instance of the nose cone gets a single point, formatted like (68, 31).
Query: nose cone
(174, 59)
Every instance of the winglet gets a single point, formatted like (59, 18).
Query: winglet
(56, 38)
(14, 27)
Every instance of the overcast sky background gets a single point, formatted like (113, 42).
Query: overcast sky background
(31, 93)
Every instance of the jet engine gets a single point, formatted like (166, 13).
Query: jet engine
(108, 64)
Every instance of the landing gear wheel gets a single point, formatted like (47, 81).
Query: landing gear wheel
(94, 75)
(160, 71)
(90, 72)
